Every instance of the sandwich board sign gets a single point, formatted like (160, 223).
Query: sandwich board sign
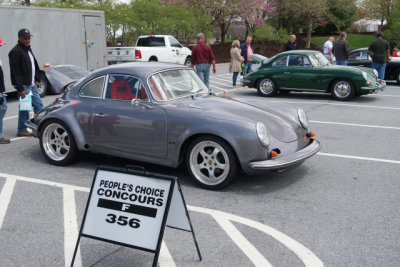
(130, 208)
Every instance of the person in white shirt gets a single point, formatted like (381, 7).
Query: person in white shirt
(328, 49)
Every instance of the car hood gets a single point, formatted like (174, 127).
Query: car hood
(279, 119)
(354, 69)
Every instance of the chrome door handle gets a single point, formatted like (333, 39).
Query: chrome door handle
(99, 115)
(173, 50)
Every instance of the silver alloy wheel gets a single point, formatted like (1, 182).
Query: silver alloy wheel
(41, 88)
(266, 86)
(56, 142)
(209, 163)
(342, 89)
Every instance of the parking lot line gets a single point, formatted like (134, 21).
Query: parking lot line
(334, 104)
(9, 118)
(359, 158)
(5, 196)
(71, 231)
(251, 252)
(357, 125)
(165, 259)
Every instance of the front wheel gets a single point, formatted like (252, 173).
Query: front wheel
(211, 162)
(57, 143)
(267, 88)
(342, 90)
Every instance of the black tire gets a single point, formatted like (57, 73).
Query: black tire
(284, 92)
(57, 143)
(266, 87)
(342, 90)
(203, 165)
(188, 62)
(153, 59)
(42, 87)
(398, 78)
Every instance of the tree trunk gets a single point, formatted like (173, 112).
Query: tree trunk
(309, 29)
(27, 2)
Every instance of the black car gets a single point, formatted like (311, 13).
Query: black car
(360, 57)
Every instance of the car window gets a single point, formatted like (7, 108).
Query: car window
(280, 62)
(299, 61)
(364, 55)
(125, 87)
(94, 88)
(151, 41)
(174, 43)
(355, 56)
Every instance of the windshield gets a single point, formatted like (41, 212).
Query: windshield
(318, 59)
(173, 84)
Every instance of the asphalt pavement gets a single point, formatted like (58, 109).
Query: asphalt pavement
(339, 208)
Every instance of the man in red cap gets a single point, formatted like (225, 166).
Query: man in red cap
(25, 77)
(3, 103)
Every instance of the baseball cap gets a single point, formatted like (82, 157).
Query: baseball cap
(379, 33)
(1, 42)
(24, 33)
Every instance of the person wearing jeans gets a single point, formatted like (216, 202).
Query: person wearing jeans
(341, 50)
(3, 103)
(379, 51)
(246, 50)
(23, 115)
(202, 57)
(25, 77)
(236, 61)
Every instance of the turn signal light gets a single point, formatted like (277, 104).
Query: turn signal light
(274, 154)
(312, 134)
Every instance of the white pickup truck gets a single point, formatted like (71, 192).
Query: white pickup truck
(163, 48)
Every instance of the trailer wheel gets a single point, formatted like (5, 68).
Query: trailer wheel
(42, 88)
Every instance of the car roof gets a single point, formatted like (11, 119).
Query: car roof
(299, 52)
(137, 68)
(359, 49)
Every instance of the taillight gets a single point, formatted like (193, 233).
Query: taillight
(138, 54)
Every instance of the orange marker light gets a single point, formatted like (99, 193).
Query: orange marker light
(312, 134)
(274, 154)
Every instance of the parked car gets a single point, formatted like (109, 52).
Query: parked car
(163, 48)
(164, 114)
(306, 70)
(360, 57)
(396, 51)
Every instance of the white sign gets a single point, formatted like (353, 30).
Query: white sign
(127, 209)
(177, 215)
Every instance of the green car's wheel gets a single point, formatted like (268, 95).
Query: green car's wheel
(342, 90)
(266, 87)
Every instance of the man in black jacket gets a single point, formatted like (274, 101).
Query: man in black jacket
(25, 77)
(341, 50)
(3, 103)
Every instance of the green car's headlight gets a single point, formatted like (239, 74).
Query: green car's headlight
(376, 73)
(303, 118)
(263, 134)
(365, 75)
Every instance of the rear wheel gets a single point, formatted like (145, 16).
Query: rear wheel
(398, 77)
(211, 162)
(266, 88)
(188, 62)
(342, 90)
(153, 59)
(57, 143)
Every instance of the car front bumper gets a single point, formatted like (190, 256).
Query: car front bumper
(33, 127)
(379, 86)
(287, 161)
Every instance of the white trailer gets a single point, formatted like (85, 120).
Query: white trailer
(60, 37)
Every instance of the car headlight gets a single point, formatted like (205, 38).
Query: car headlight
(263, 134)
(302, 118)
(365, 75)
(376, 73)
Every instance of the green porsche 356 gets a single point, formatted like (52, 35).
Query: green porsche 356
(306, 70)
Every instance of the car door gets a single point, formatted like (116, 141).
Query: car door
(121, 125)
(301, 74)
(176, 51)
(280, 72)
(359, 58)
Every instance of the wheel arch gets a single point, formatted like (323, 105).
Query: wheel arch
(153, 58)
(184, 147)
(78, 135)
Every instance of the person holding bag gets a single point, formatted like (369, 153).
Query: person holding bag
(236, 61)
(25, 77)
